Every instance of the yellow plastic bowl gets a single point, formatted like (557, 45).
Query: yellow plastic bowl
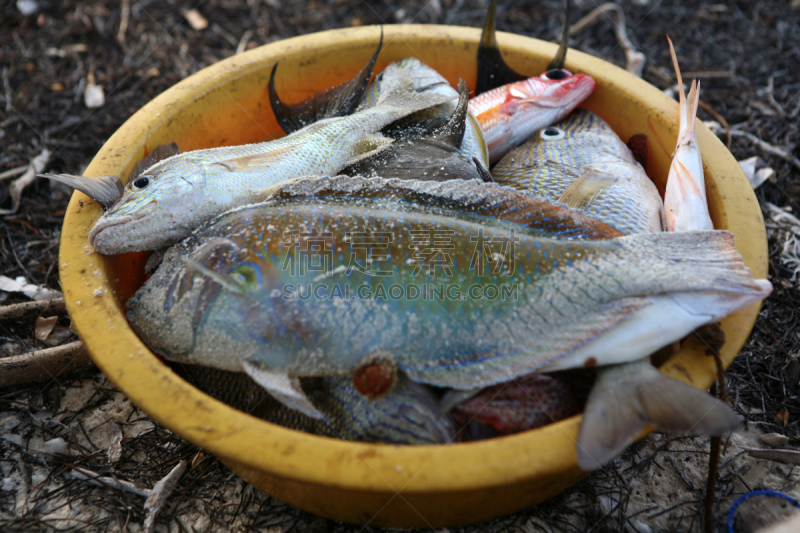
(410, 486)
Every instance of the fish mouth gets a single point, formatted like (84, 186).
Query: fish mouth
(101, 237)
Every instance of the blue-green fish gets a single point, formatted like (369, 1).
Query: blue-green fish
(455, 284)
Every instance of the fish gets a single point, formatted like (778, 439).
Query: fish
(582, 163)
(493, 71)
(408, 415)
(523, 403)
(333, 102)
(249, 292)
(429, 157)
(509, 114)
(171, 198)
(426, 80)
(685, 197)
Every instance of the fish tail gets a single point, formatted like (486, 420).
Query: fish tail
(701, 268)
(625, 398)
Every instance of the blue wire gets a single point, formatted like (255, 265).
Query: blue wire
(744, 497)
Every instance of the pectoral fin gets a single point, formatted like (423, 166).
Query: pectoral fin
(627, 397)
(105, 190)
(283, 388)
(369, 145)
(260, 160)
(583, 191)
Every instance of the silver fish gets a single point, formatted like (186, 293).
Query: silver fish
(171, 198)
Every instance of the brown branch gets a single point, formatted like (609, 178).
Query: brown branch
(42, 364)
(32, 309)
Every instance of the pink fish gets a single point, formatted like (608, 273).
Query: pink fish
(510, 114)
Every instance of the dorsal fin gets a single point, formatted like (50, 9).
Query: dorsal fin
(336, 101)
(561, 55)
(535, 216)
(452, 133)
(492, 70)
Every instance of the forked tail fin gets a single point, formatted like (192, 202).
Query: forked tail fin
(627, 397)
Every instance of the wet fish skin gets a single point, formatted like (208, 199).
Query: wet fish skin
(430, 157)
(220, 299)
(407, 415)
(176, 195)
(586, 161)
(426, 79)
(510, 114)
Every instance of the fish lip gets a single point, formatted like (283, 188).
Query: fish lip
(104, 224)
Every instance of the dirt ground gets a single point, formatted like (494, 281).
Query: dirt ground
(744, 52)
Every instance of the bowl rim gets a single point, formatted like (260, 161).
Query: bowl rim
(242, 438)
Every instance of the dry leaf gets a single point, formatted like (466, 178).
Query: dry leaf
(197, 459)
(195, 19)
(774, 439)
(58, 335)
(44, 326)
(783, 417)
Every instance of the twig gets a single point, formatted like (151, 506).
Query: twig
(13, 173)
(124, 15)
(716, 445)
(32, 309)
(42, 364)
(634, 58)
(37, 166)
(158, 496)
(242, 46)
(107, 482)
(719, 118)
(770, 149)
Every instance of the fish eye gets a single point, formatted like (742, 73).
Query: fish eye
(141, 182)
(552, 134)
(557, 74)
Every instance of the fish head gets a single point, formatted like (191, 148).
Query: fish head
(157, 208)
(565, 92)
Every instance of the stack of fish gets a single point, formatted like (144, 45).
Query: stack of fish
(408, 294)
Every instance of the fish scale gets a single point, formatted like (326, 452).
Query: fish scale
(547, 168)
